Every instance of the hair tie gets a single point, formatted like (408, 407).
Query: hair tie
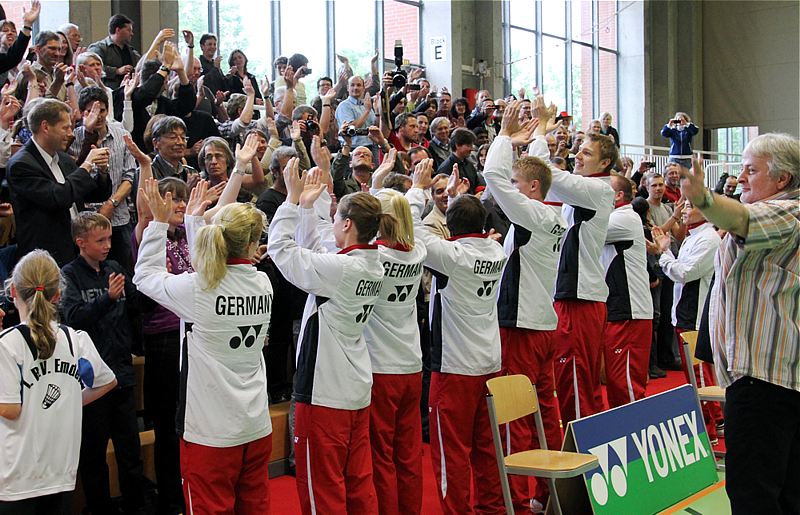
(40, 287)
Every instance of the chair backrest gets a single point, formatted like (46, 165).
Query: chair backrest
(513, 397)
(690, 337)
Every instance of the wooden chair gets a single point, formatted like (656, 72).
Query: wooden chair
(703, 392)
(513, 397)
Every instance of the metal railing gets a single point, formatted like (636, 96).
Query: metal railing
(714, 163)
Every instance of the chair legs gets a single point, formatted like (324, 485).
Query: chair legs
(553, 496)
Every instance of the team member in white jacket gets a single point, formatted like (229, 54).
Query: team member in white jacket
(223, 419)
(465, 347)
(334, 377)
(691, 272)
(43, 368)
(581, 291)
(628, 331)
(525, 306)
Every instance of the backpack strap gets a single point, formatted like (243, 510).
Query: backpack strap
(69, 338)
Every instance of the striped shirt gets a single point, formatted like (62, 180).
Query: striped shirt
(121, 165)
(753, 312)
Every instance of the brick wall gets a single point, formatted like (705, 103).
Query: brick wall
(400, 21)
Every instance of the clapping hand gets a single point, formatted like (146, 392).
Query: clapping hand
(244, 154)
(423, 174)
(161, 207)
(313, 186)
(693, 182)
(116, 286)
(521, 134)
(141, 158)
(455, 184)
(197, 204)
(97, 157)
(661, 239)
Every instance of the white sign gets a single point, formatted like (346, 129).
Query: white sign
(438, 46)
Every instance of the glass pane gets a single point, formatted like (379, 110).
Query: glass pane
(355, 33)
(192, 15)
(553, 67)
(310, 15)
(522, 13)
(607, 24)
(523, 59)
(247, 30)
(581, 85)
(401, 21)
(554, 19)
(582, 20)
(608, 85)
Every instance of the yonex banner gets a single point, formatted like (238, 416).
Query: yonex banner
(652, 453)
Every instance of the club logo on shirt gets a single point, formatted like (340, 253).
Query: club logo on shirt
(487, 288)
(362, 317)
(51, 395)
(401, 293)
(246, 336)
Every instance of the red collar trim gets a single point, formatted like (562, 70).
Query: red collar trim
(696, 225)
(238, 261)
(550, 203)
(357, 247)
(621, 203)
(468, 235)
(395, 246)
(601, 174)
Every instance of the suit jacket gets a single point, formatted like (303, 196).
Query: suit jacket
(42, 205)
(16, 53)
(465, 169)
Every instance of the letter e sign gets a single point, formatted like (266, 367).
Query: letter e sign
(438, 48)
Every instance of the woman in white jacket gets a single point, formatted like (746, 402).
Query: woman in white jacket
(223, 416)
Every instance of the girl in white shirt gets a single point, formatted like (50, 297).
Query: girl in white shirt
(47, 372)
(223, 416)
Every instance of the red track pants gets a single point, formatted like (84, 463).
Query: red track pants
(577, 358)
(626, 348)
(462, 446)
(712, 413)
(332, 455)
(226, 479)
(395, 433)
(530, 352)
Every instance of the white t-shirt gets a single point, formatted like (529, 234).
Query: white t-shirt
(39, 450)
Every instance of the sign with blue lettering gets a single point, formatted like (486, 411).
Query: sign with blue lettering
(652, 453)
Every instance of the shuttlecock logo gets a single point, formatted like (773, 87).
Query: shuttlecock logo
(616, 477)
(52, 395)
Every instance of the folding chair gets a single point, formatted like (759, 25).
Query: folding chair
(513, 397)
(703, 392)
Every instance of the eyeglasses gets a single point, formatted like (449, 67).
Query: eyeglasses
(173, 137)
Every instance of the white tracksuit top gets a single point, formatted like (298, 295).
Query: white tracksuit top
(625, 261)
(333, 364)
(39, 450)
(463, 309)
(533, 245)
(223, 390)
(691, 272)
(588, 202)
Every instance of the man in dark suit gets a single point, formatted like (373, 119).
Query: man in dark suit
(46, 184)
(462, 142)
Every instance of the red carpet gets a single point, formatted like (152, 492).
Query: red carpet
(284, 492)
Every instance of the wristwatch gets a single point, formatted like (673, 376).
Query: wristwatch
(114, 202)
(164, 68)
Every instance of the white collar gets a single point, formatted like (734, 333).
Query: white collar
(49, 159)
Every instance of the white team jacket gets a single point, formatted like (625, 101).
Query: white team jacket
(625, 261)
(223, 390)
(463, 308)
(39, 450)
(588, 202)
(532, 245)
(333, 364)
(691, 272)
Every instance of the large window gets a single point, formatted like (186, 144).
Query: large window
(318, 29)
(569, 49)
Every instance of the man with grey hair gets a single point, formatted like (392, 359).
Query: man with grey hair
(46, 184)
(439, 146)
(754, 324)
(73, 33)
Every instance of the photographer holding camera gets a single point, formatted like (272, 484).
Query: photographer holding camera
(680, 130)
(356, 113)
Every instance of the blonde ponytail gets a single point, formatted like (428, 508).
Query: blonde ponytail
(396, 225)
(235, 227)
(37, 281)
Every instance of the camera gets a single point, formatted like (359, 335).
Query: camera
(650, 164)
(352, 131)
(312, 127)
(399, 76)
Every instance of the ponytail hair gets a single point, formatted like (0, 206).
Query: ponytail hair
(37, 281)
(400, 230)
(365, 212)
(234, 228)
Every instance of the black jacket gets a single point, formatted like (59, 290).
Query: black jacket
(41, 205)
(85, 305)
(15, 54)
(465, 169)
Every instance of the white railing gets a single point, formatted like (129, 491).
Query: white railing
(714, 163)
